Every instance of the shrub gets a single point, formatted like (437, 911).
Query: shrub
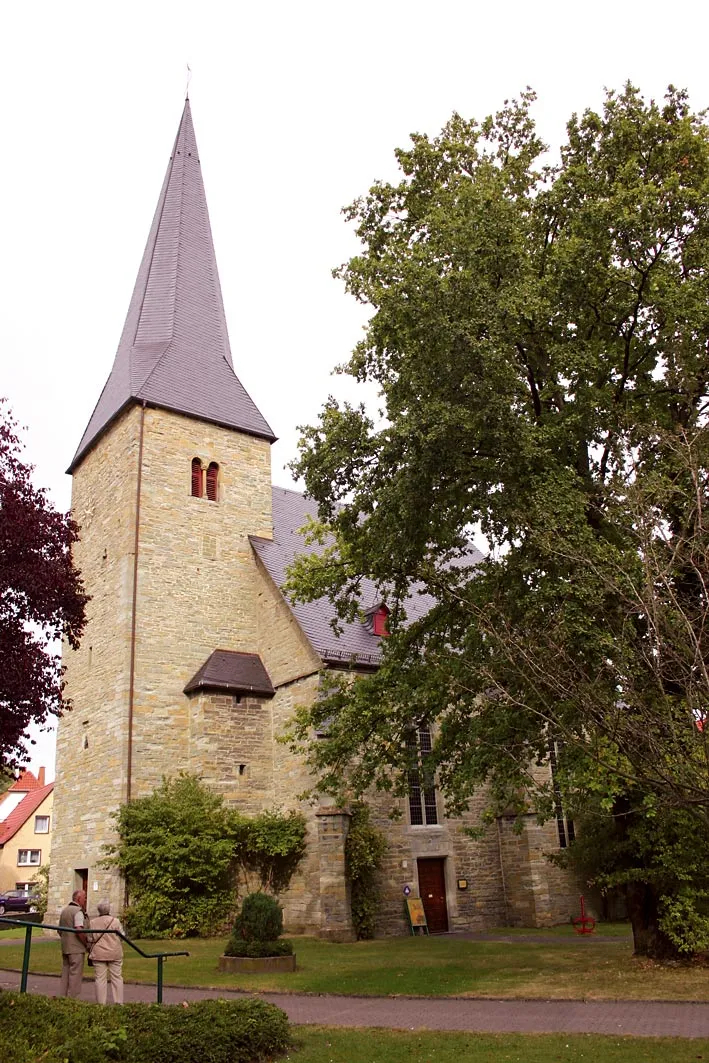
(181, 851)
(208, 1031)
(260, 919)
(364, 850)
(270, 846)
(238, 947)
(176, 851)
(257, 927)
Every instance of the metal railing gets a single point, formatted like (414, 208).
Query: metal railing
(29, 927)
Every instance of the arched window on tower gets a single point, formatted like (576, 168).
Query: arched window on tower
(197, 478)
(212, 481)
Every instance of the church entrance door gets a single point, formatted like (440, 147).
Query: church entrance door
(432, 890)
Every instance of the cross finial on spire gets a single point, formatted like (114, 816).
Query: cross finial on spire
(187, 86)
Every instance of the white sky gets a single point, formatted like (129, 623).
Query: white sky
(297, 109)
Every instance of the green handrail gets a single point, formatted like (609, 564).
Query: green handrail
(29, 927)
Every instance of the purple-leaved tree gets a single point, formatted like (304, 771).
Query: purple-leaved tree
(42, 598)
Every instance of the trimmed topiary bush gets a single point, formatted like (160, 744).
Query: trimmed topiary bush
(239, 947)
(207, 1031)
(257, 928)
(260, 918)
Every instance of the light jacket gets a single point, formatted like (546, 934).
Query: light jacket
(106, 947)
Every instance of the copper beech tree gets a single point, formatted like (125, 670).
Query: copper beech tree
(540, 339)
(42, 599)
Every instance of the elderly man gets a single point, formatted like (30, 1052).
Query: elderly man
(73, 945)
(107, 954)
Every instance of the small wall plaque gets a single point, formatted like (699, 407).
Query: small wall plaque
(462, 883)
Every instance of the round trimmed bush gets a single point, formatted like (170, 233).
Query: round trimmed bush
(257, 928)
(260, 919)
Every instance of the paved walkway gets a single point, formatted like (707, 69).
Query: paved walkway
(639, 1018)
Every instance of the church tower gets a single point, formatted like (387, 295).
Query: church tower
(171, 477)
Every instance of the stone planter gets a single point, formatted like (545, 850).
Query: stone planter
(256, 964)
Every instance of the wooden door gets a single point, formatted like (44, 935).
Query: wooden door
(432, 890)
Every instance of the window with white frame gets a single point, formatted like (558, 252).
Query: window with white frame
(422, 786)
(29, 856)
(41, 824)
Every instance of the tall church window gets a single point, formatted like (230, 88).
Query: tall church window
(422, 786)
(197, 478)
(212, 481)
(564, 825)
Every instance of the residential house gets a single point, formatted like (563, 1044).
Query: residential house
(26, 811)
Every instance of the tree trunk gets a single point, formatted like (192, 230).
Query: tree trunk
(648, 938)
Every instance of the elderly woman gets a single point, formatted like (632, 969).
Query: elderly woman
(107, 954)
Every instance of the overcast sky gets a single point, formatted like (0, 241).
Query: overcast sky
(297, 109)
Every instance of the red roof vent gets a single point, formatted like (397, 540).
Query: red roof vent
(377, 621)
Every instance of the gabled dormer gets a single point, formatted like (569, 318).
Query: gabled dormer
(376, 620)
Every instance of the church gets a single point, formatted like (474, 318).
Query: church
(194, 660)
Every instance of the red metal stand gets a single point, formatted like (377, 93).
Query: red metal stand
(584, 924)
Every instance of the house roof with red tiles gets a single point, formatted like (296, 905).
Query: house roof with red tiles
(27, 781)
(22, 812)
(174, 352)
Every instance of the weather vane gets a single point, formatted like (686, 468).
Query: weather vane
(187, 86)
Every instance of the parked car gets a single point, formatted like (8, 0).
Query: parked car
(17, 901)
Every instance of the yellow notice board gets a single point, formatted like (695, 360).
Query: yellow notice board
(417, 916)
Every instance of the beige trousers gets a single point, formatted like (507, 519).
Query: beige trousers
(72, 970)
(114, 971)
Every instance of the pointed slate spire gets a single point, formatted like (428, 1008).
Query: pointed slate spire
(174, 352)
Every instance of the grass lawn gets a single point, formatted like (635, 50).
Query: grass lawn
(567, 967)
(317, 1045)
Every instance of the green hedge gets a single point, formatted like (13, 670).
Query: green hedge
(71, 1031)
(237, 947)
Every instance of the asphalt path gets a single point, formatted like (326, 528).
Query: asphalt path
(639, 1018)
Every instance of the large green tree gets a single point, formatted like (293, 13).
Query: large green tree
(540, 340)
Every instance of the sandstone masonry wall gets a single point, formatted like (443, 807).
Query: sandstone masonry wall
(195, 593)
(91, 740)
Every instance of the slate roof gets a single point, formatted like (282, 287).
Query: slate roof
(356, 644)
(19, 815)
(174, 352)
(229, 672)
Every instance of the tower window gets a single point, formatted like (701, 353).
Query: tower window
(197, 478)
(212, 481)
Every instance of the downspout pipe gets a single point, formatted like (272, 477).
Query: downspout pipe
(134, 609)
